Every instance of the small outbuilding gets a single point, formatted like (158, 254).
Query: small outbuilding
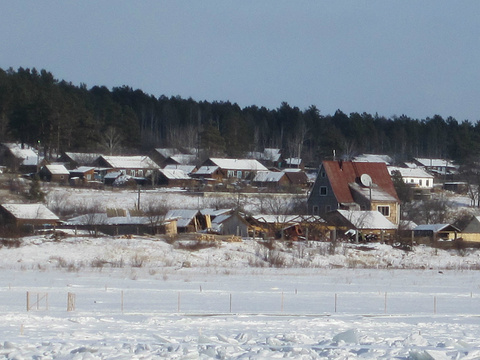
(30, 215)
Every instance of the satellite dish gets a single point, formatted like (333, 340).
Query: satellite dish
(366, 180)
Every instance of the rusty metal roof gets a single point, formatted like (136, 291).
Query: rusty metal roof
(343, 173)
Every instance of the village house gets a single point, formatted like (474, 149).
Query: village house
(438, 167)
(414, 177)
(208, 174)
(471, 231)
(174, 178)
(19, 158)
(136, 166)
(270, 157)
(82, 175)
(351, 185)
(73, 160)
(297, 178)
(27, 215)
(271, 179)
(236, 168)
(54, 173)
(174, 156)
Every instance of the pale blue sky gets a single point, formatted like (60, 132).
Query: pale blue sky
(418, 58)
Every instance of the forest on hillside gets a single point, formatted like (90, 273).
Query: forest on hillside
(39, 110)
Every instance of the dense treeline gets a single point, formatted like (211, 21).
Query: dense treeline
(37, 109)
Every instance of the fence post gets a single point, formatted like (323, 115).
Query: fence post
(385, 306)
(28, 301)
(335, 302)
(230, 302)
(178, 303)
(434, 304)
(70, 301)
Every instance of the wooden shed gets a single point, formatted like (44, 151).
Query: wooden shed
(35, 215)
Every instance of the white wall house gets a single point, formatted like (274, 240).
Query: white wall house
(415, 177)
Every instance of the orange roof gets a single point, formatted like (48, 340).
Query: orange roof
(342, 173)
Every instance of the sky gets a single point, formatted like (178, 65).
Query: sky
(418, 58)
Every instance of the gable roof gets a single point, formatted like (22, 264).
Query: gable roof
(130, 162)
(373, 158)
(435, 162)
(343, 173)
(436, 228)
(367, 219)
(268, 176)
(83, 158)
(205, 170)
(187, 169)
(297, 177)
(28, 156)
(293, 161)
(410, 172)
(30, 212)
(174, 174)
(56, 169)
(184, 216)
(238, 164)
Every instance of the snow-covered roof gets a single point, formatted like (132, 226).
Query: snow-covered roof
(130, 162)
(367, 219)
(184, 216)
(238, 164)
(435, 162)
(83, 169)
(30, 211)
(83, 158)
(436, 227)
(215, 212)
(374, 192)
(407, 225)
(27, 154)
(104, 219)
(268, 176)
(276, 219)
(56, 169)
(174, 174)
(206, 170)
(373, 158)
(187, 169)
(112, 175)
(410, 172)
(293, 161)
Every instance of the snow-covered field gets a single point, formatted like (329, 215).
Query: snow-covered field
(143, 298)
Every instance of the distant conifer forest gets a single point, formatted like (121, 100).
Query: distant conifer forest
(55, 115)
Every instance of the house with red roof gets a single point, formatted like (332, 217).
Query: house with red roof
(349, 185)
